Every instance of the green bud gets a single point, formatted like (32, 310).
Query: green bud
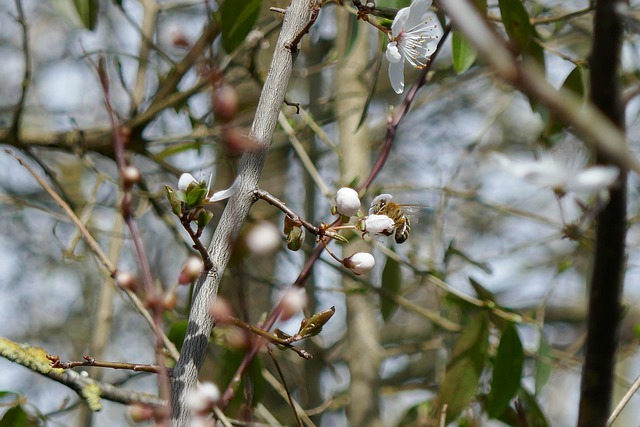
(204, 217)
(295, 238)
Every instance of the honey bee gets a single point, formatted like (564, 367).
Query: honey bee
(382, 205)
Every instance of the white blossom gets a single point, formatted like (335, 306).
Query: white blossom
(263, 238)
(379, 224)
(360, 262)
(411, 40)
(348, 201)
(293, 301)
(203, 397)
(560, 176)
(186, 179)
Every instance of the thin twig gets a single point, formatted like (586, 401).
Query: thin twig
(90, 361)
(286, 388)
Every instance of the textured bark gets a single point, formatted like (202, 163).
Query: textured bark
(185, 374)
(607, 277)
(362, 329)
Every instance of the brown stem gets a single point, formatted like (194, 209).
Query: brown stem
(90, 361)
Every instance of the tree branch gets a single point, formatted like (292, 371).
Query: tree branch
(607, 277)
(296, 19)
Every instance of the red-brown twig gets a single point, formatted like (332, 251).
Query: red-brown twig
(90, 361)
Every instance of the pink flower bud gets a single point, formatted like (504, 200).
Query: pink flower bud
(348, 201)
(263, 238)
(379, 224)
(125, 280)
(130, 175)
(191, 271)
(293, 301)
(139, 412)
(170, 301)
(186, 179)
(220, 310)
(360, 262)
(224, 101)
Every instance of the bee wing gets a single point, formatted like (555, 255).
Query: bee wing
(412, 210)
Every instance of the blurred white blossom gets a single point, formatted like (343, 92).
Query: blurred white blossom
(360, 262)
(263, 238)
(293, 302)
(560, 176)
(348, 201)
(203, 397)
(411, 40)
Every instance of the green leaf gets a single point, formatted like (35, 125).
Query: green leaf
(15, 417)
(313, 326)
(507, 371)
(574, 83)
(516, 23)
(531, 408)
(88, 12)
(543, 367)
(195, 195)
(465, 368)
(238, 18)
(391, 282)
(177, 332)
(464, 54)
(374, 84)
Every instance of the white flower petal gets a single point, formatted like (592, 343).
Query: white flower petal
(396, 76)
(186, 179)
(399, 22)
(379, 224)
(594, 178)
(393, 54)
(417, 12)
(225, 194)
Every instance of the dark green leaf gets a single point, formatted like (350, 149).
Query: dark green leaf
(351, 36)
(195, 195)
(88, 12)
(531, 408)
(15, 417)
(483, 293)
(516, 23)
(465, 368)
(237, 20)
(391, 282)
(575, 83)
(177, 332)
(507, 371)
(543, 365)
(464, 54)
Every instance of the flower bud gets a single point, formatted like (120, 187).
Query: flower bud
(360, 262)
(139, 412)
(220, 310)
(170, 300)
(293, 301)
(348, 201)
(379, 224)
(193, 268)
(130, 175)
(202, 399)
(125, 280)
(224, 102)
(236, 141)
(186, 180)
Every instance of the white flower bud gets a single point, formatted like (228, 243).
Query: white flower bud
(264, 238)
(203, 397)
(293, 301)
(186, 179)
(379, 224)
(348, 202)
(193, 268)
(360, 262)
